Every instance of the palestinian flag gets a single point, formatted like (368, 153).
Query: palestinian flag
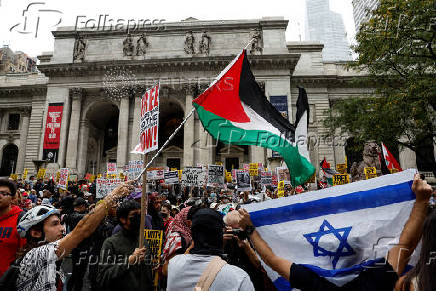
(327, 171)
(235, 111)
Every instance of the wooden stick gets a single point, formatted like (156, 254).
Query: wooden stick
(144, 204)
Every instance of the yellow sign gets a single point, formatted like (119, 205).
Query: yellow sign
(281, 189)
(154, 240)
(341, 168)
(99, 176)
(14, 177)
(25, 173)
(253, 170)
(370, 172)
(219, 163)
(341, 179)
(393, 171)
(92, 178)
(180, 175)
(122, 176)
(174, 169)
(229, 177)
(41, 173)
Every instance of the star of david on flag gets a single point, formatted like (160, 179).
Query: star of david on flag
(309, 229)
(344, 249)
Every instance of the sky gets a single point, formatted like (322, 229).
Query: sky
(43, 16)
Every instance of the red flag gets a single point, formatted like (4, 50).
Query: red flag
(391, 162)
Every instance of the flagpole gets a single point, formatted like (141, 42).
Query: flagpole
(144, 206)
(177, 130)
(165, 144)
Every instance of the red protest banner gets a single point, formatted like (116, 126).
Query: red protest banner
(53, 126)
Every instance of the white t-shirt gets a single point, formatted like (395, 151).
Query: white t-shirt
(184, 271)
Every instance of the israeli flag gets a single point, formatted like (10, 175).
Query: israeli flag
(337, 231)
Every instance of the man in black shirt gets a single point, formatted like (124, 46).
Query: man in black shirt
(381, 277)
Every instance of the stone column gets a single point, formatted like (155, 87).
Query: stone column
(64, 132)
(205, 146)
(23, 140)
(123, 128)
(188, 131)
(73, 134)
(135, 128)
(83, 148)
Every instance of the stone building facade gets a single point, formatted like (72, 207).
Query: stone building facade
(98, 77)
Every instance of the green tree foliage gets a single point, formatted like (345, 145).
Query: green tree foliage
(397, 49)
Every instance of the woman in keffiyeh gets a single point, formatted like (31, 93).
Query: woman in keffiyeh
(178, 236)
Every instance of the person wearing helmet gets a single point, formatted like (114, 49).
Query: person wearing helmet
(10, 241)
(47, 245)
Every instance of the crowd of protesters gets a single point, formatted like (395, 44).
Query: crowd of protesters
(42, 224)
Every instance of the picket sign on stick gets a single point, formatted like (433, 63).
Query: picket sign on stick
(165, 144)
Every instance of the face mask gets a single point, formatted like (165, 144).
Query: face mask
(164, 215)
(135, 223)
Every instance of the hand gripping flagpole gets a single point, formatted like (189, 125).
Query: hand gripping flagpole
(178, 128)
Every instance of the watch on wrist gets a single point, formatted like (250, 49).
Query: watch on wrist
(250, 229)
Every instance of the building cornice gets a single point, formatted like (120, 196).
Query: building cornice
(174, 27)
(211, 63)
(24, 90)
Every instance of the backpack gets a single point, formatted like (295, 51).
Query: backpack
(9, 279)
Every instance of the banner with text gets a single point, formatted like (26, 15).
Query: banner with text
(193, 176)
(149, 123)
(52, 132)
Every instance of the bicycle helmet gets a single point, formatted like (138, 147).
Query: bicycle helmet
(35, 216)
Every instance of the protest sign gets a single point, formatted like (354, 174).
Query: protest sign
(148, 133)
(341, 168)
(253, 169)
(266, 178)
(134, 168)
(193, 176)
(41, 173)
(111, 168)
(274, 180)
(281, 189)
(63, 178)
(283, 175)
(171, 177)
(105, 186)
(229, 177)
(155, 174)
(340, 179)
(25, 173)
(13, 177)
(370, 172)
(243, 180)
(215, 175)
(154, 246)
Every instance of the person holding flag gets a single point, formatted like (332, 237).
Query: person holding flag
(379, 277)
